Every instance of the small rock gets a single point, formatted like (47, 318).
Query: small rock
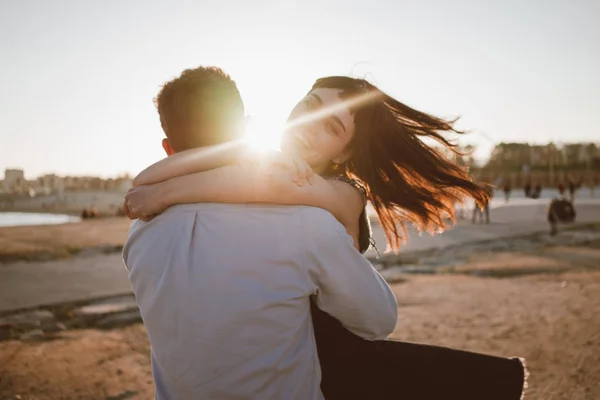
(112, 321)
(57, 327)
(31, 319)
(32, 334)
(95, 311)
(128, 298)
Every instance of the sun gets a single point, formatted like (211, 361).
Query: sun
(263, 135)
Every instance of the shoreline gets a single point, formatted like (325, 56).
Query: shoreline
(57, 211)
(70, 213)
(107, 234)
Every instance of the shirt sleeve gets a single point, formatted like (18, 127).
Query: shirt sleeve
(346, 284)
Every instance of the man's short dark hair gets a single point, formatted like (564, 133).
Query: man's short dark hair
(201, 107)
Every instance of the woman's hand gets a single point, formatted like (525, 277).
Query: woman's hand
(144, 202)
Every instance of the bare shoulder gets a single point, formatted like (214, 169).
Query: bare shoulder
(347, 183)
(353, 196)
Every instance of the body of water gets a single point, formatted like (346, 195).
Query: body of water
(21, 219)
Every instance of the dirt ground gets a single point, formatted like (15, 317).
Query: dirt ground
(543, 306)
(59, 241)
(552, 319)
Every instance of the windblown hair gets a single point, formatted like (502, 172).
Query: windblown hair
(406, 180)
(201, 107)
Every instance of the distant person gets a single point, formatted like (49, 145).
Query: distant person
(560, 210)
(527, 189)
(479, 212)
(90, 212)
(93, 212)
(338, 141)
(572, 189)
(507, 189)
(536, 193)
(561, 188)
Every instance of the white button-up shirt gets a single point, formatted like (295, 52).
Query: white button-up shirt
(224, 291)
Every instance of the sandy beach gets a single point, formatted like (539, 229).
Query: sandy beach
(540, 303)
(551, 320)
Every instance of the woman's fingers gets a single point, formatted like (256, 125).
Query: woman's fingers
(127, 210)
(141, 203)
(295, 170)
(307, 171)
(302, 171)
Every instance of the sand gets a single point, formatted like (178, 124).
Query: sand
(543, 305)
(551, 319)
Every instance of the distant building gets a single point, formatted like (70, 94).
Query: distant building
(51, 182)
(123, 184)
(14, 180)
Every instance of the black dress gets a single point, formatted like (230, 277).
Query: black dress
(355, 368)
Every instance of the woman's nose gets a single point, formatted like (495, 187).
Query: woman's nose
(304, 137)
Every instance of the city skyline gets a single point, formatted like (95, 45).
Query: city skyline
(78, 79)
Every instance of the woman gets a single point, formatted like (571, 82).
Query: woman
(348, 142)
(353, 136)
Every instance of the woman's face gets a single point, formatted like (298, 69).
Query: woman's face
(319, 129)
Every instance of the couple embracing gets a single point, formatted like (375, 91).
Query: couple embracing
(249, 272)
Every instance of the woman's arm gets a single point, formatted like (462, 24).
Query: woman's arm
(193, 160)
(250, 184)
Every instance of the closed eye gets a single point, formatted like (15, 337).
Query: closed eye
(330, 127)
(309, 104)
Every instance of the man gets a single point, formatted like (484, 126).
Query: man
(224, 289)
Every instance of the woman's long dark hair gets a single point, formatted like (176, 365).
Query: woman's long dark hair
(405, 179)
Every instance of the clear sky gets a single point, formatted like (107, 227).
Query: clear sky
(77, 78)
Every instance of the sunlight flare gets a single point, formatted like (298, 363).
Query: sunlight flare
(326, 111)
(262, 136)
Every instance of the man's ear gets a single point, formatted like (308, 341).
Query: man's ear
(167, 146)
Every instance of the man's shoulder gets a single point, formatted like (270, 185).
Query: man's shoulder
(318, 215)
(321, 222)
